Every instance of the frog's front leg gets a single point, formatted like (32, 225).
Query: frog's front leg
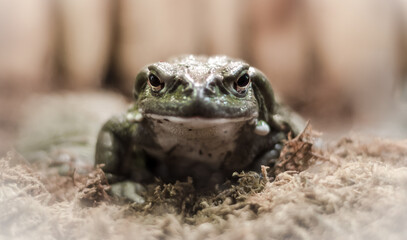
(281, 126)
(123, 162)
(268, 158)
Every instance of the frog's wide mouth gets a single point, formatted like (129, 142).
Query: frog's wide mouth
(199, 121)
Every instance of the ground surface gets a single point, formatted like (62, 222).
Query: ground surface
(355, 188)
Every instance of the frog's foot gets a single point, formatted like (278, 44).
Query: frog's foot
(269, 158)
(128, 190)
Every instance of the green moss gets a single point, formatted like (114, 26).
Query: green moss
(197, 206)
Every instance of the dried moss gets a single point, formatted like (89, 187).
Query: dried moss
(298, 153)
(94, 190)
(357, 190)
(183, 199)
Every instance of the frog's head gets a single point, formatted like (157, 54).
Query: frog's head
(203, 87)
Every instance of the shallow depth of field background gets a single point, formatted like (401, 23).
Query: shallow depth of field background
(339, 63)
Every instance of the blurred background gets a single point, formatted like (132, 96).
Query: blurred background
(339, 63)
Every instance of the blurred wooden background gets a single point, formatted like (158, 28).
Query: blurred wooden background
(333, 61)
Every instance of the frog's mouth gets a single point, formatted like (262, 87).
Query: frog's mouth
(200, 107)
(200, 122)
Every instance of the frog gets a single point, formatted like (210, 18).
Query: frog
(203, 117)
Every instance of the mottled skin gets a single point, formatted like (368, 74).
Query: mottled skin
(180, 128)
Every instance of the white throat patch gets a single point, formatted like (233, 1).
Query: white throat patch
(195, 139)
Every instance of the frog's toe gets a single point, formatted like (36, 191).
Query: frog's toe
(129, 190)
(269, 158)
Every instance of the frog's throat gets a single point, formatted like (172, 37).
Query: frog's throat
(200, 122)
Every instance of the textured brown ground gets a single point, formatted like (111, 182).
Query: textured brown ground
(355, 188)
(359, 192)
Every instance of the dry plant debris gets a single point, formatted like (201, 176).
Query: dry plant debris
(94, 190)
(355, 188)
(297, 153)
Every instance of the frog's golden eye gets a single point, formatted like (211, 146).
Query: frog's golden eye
(242, 83)
(154, 82)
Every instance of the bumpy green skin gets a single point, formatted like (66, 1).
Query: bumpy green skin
(195, 86)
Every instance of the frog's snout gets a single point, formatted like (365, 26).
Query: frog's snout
(201, 89)
(197, 93)
(201, 101)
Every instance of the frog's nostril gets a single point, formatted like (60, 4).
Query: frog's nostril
(209, 91)
(188, 87)
(188, 91)
(212, 85)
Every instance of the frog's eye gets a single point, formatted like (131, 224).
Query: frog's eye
(154, 82)
(242, 83)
